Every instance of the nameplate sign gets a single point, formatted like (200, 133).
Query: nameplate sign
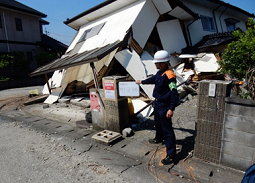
(128, 89)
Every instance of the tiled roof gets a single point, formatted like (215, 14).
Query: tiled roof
(210, 41)
(52, 43)
(15, 5)
(214, 39)
(77, 59)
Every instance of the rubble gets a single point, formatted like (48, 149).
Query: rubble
(126, 132)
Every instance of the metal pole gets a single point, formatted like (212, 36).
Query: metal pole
(94, 74)
(6, 34)
(96, 81)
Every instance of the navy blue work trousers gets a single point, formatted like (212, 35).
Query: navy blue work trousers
(164, 129)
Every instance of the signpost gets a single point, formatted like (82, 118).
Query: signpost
(128, 89)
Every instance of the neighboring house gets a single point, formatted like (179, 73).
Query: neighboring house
(21, 29)
(213, 30)
(119, 37)
(49, 44)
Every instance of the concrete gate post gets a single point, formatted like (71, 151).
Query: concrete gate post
(116, 117)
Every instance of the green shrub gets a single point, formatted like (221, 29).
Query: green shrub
(238, 60)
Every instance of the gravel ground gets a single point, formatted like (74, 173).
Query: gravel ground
(184, 118)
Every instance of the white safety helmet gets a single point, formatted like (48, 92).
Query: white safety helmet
(161, 56)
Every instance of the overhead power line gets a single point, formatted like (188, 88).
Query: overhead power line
(55, 19)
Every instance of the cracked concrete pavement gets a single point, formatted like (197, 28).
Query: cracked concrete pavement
(41, 147)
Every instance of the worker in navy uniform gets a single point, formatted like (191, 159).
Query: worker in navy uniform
(166, 99)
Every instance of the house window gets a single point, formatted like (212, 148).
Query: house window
(1, 24)
(207, 23)
(231, 24)
(18, 24)
(91, 32)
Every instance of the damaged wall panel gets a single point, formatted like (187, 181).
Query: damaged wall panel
(181, 14)
(104, 10)
(207, 63)
(162, 6)
(150, 68)
(204, 66)
(134, 66)
(115, 27)
(54, 96)
(144, 23)
(84, 72)
(174, 60)
(70, 74)
(81, 73)
(171, 36)
(54, 81)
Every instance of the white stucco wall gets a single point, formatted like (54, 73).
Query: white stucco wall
(117, 23)
(30, 25)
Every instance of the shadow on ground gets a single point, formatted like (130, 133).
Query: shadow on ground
(184, 146)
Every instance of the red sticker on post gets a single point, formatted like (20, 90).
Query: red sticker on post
(109, 90)
(109, 86)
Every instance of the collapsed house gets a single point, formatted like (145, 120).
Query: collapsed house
(120, 38)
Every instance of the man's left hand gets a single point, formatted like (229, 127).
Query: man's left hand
(169, 113)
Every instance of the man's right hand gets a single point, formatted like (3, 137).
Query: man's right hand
(138, 82)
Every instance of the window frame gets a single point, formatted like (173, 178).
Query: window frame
(1, 21)
(208, 23)
(231, 24)
(91, 32)
(18, 23)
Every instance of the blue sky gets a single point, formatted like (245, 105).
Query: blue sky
(58, 11)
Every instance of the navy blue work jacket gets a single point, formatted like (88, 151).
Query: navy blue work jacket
(165, 90)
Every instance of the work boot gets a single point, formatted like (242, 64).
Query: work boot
(155, 141)
(168, 160)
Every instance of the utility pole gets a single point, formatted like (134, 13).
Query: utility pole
(46, 32)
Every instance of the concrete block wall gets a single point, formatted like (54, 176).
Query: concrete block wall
(238, 140)
(209, 120)
(116, 115)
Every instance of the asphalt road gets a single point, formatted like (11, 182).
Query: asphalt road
(18, 91)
